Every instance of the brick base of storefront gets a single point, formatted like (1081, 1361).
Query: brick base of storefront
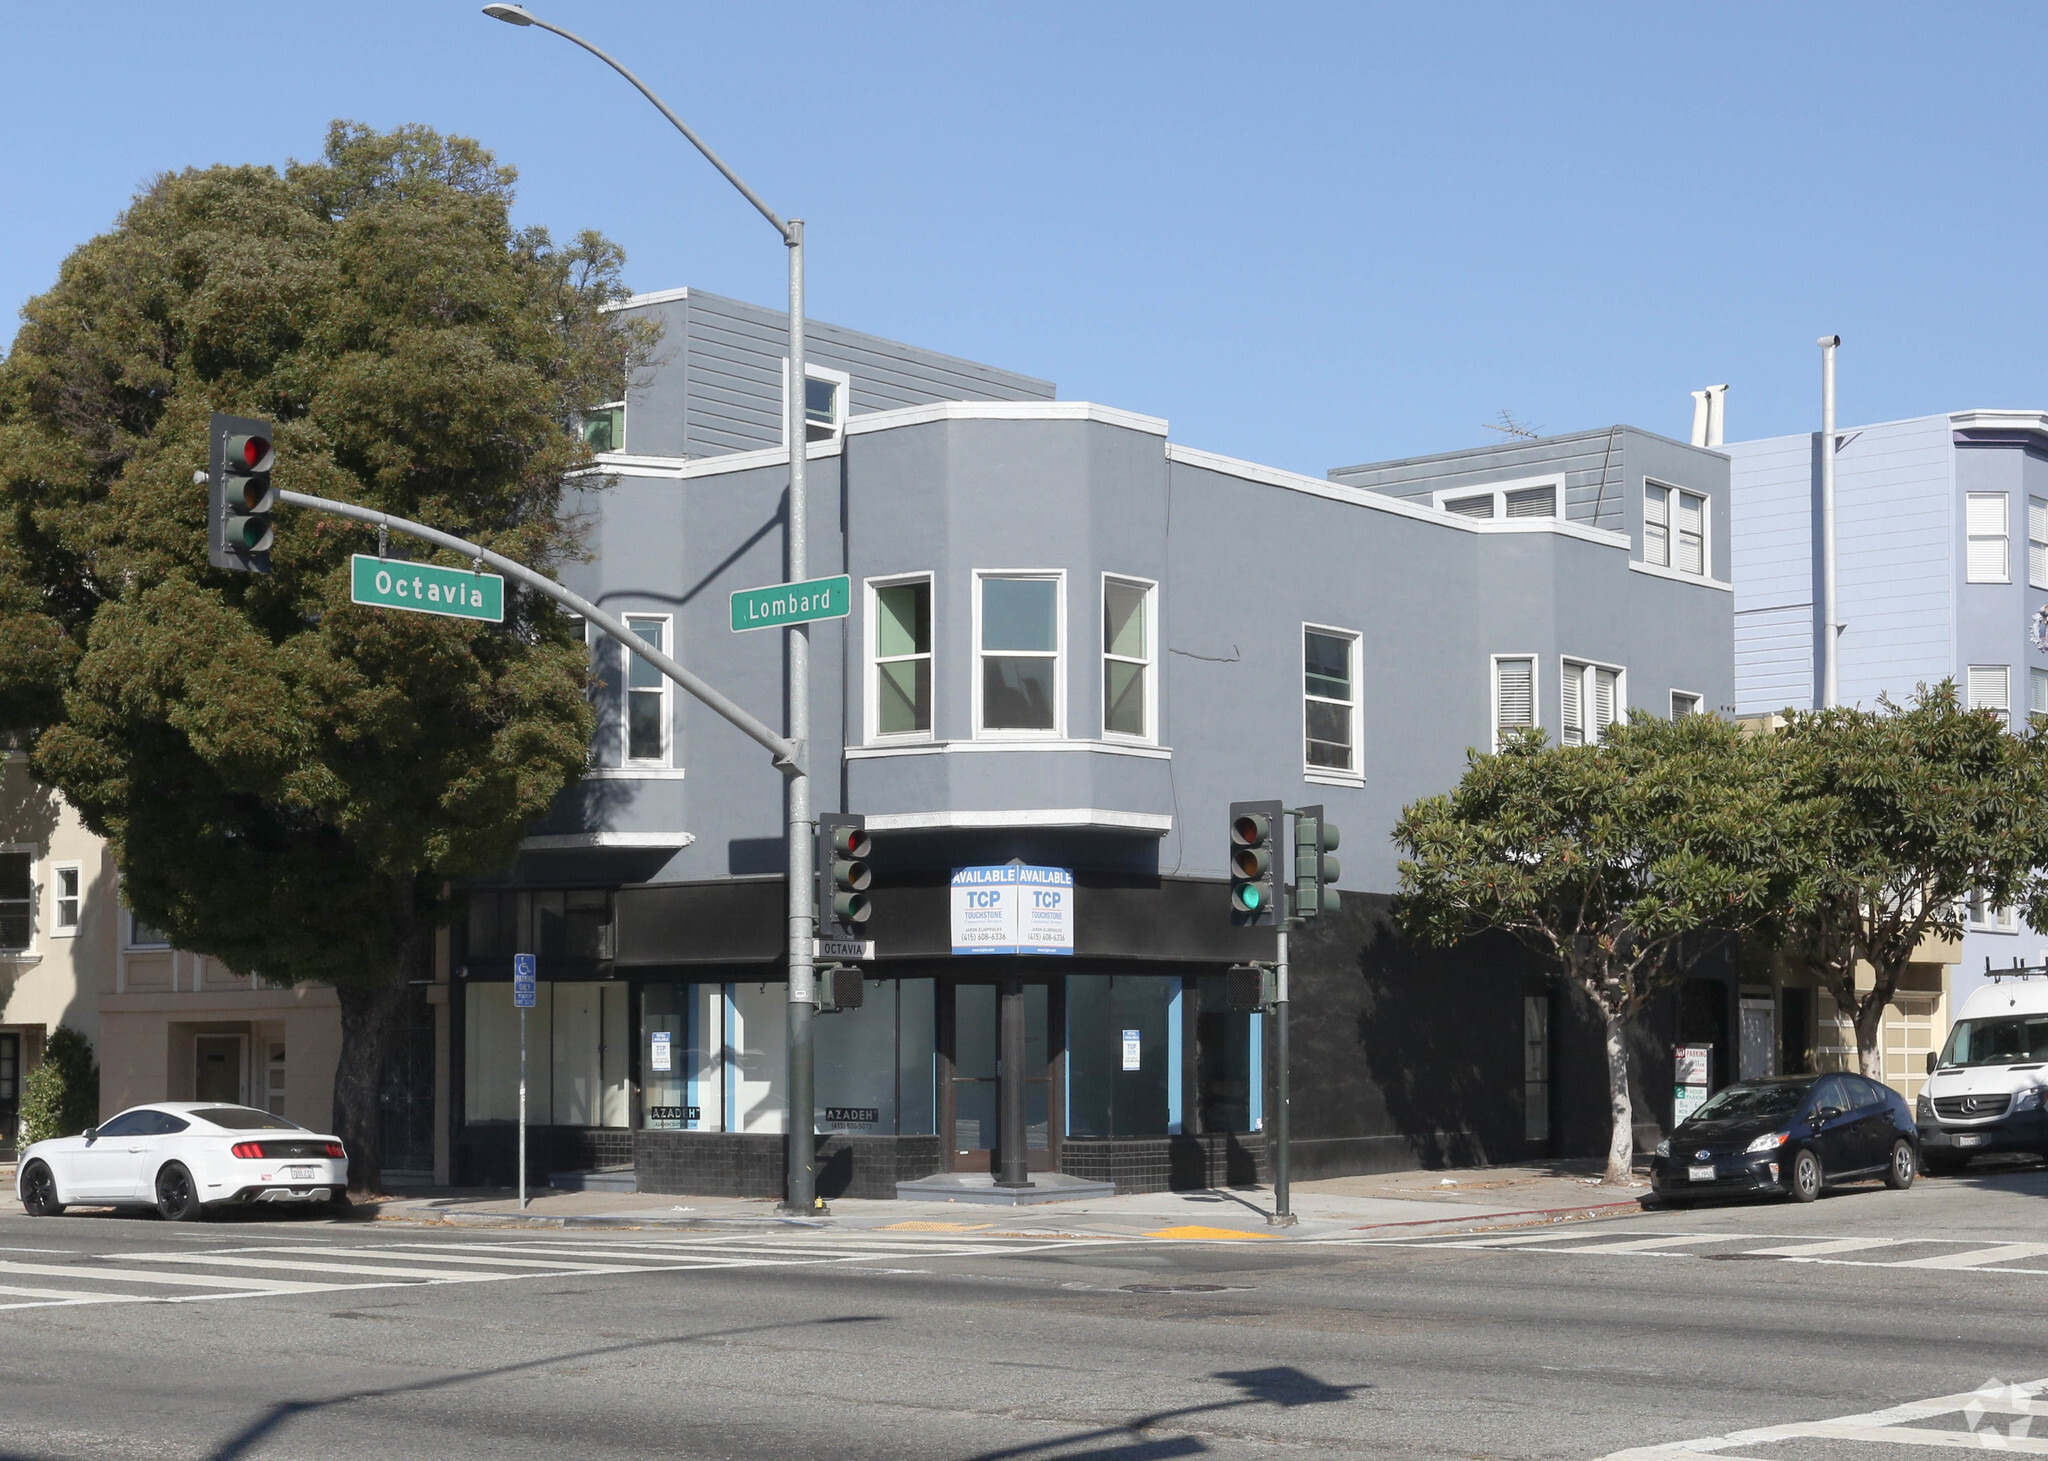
(489, 1155)
(1169, 1163)
(736, 1164)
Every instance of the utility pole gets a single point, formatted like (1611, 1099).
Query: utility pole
(800, 1185)
(1830, 617)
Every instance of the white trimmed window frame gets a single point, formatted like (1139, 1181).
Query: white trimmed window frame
(1696, 705)
(2037, 542)
(1981, 917)
(1975, 533)
(619, 406)
(1058, 578)
(1149, 663)
(128, 938)
(2003, 704)
(1587, 672)
(662, 687)
(58, 898)
(1674, 498)
(1535, 664)
(35, 918)
(1354, 775)
(871, 631)
(2037, 691)
(841, 397)
(1499, 492)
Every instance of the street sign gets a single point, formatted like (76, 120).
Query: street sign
(524, 989)
(424, 588)
(792, 603)
(843, 948)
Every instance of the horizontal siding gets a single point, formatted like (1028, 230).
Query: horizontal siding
(1773, 659)
(1590, 461)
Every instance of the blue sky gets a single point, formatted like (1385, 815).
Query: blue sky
(1307, 235)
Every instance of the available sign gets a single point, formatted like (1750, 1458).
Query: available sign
(792, 603)
(423, 588)
(1013, 909)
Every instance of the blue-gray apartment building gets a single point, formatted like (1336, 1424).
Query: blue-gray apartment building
(1074, 641)
(1941, 573)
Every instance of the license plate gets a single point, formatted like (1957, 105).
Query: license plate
(299, 1174)
(1969, 1141)
(1700, 1174)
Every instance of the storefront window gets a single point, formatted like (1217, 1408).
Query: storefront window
(576, 1052)
(874, 1064)
(682, 1031)
(1114, 1089)
(554, 923)
(1224, 1063)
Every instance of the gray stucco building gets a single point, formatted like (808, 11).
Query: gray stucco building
(1073, 642)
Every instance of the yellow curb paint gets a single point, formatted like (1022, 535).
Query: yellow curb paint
(934, 1227)
(1199, 1232)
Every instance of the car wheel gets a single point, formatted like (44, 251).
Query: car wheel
(1899, 1174)
(1806, 1177)
(39, 1192)
(177, 1200)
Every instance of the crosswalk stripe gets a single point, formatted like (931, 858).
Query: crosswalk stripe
(644, 1260)
(1653, 1245)
(75, 1271)
(1976, 1256)
(1833, 1245)
(69, 1295)
(369, 1270)
(557, 1265)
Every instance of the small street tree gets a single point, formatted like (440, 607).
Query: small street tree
(1902, 816)
(288, 781)
(1620, 864)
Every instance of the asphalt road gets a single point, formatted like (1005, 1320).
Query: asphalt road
(284, 1338)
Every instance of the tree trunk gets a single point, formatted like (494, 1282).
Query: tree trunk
(1869, 1033)
(370, 1016)
(1621, 1141)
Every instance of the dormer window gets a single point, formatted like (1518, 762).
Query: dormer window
(604, 427)
(1527, 497)
(826, 392)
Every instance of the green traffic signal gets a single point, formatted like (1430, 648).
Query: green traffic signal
(1255, 896)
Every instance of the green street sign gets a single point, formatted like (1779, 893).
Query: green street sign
(423, 588)
(792, 603)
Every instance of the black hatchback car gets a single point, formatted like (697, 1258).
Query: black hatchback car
(1789, 1136)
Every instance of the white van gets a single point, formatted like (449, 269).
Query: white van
(1988, 1090)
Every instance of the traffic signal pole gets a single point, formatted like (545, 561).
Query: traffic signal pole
(1283, 1209)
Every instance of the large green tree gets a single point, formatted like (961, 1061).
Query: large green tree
(1620, 864)
(288, 781)
(1904, 814)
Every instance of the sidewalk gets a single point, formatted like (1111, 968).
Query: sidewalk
(1340, 1207)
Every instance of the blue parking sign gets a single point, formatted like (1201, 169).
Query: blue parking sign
(523, 989)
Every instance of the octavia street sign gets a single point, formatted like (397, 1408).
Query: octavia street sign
(792, 603)
(391, 583)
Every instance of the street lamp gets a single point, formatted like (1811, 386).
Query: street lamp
(801, 1184)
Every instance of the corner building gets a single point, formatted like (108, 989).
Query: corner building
(1073, 643)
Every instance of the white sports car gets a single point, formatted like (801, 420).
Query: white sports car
(181, 1158)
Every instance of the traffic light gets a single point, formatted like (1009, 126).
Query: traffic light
(238, 462)
(1248, 987)
(843, 876)
(1254, 847)
(1315, 864)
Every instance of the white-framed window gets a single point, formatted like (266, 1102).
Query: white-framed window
(141, 935)
(2037, 542)
(1590, 698)
(1984, 521)
(1514, 695)
(17, 898)
(647, 696)
(1684, 703)
(604, 427)
(2037, 691)
(67, 898)
(1020, 637)
(1990, 688)
(1129, 698)
(1986, 917)
(900, 658)
(826, 392)
(1538, 497)
(1674, 528)
(1329, 701)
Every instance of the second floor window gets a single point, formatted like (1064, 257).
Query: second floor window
(1514, 695)
(1674, 528)
(1683, 703)
(1126, 658)
(1990, 688)
(901, 687)
(1985, 552)
(604, 427)
(1020, 636)
(67, 898)
(1329, 683)
(2037, 542)
(1589, 700)
(17, 900)
(647, 695)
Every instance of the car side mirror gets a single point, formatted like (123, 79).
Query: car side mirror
(1931, 1062)
(90, 1132)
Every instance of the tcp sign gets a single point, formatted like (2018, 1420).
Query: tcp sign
(1013, 909)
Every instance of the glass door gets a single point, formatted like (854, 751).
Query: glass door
(972, 1111)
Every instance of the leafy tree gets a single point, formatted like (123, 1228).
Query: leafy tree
(1620, 864)
(61, 1096)
(1903, 813)
(289, 781)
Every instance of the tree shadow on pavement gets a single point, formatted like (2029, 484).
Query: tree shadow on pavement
(1281, 1385)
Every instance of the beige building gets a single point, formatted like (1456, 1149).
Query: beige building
(1792, 1015)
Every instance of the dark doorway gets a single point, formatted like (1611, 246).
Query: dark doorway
(407, 1105)
(969, 1093)
(10, 1092)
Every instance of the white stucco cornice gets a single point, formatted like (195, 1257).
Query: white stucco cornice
(1004, 411)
